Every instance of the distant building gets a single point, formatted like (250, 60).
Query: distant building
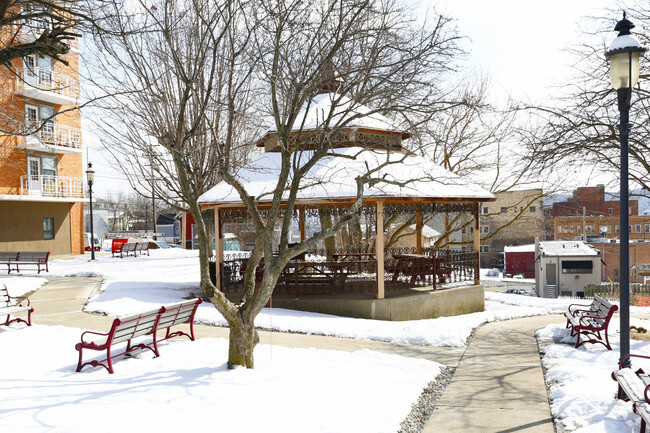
(565, 268)
(587, 215)
(515, 218)
(520, 260)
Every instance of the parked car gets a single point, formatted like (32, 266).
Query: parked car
(521, 292)
(161, 244)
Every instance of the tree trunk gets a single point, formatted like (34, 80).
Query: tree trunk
(243, 339)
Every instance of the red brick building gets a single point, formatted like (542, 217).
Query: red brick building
(588, 215)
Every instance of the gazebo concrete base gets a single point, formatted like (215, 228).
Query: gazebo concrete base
(425, 304)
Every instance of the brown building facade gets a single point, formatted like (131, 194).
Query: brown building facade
(515, 218)
(41, 170)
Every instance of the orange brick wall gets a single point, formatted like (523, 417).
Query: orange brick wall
(77, 228)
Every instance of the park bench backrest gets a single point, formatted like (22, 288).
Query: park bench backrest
(4, 255)
(39, 256)
(4, 297)
(141, 246)
(129, 247)
(135, 326)
(181, 312)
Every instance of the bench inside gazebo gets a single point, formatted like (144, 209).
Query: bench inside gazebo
(380, 265)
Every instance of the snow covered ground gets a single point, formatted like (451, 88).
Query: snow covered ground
(292, 390)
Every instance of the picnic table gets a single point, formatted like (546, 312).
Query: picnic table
(328, 275)
(354, 263)
(417, 265)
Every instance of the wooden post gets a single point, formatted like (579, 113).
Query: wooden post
(184, 231)
(418, 230)
(477, 245)
(301, 223)
(379, 249)
(218, 247)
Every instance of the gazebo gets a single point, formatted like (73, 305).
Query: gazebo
(378, 266)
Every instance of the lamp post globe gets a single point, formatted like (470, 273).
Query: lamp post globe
(90, 177)
(623, 55)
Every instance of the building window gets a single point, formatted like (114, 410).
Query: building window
(577, 267)
(570, 229)
(611, 211)
(638, 228)
(532, 209)
(618, 229)
(484, 248)
(647, 228)
(485, 229)
(485, 210)
(566, 230)
(503, 209)
(578, 228)
(559, 229)
(48, 228)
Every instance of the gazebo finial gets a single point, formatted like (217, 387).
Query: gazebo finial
(330, 80)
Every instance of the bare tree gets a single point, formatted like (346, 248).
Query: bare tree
(579, 128)
(196, 80)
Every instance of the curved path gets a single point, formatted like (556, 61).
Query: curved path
(498, 385)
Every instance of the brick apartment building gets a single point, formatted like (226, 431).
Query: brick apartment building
(41, 175)
(587, 214)
(515, 218)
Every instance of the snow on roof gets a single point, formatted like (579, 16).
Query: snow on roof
(334, 177)
(427, 231)
(567, 248)
(338, 110)
(520, 248)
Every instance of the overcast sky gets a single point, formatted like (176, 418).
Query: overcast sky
(519, 44)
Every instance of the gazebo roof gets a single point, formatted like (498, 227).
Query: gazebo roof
(331, 110)
(334, 178)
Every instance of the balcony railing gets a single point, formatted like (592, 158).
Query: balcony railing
(47, 85)
(52, 186)
(63, 136)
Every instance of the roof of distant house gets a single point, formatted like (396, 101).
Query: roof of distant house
(567, 248)
(530, 248)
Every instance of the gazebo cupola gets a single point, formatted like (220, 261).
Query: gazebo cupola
(339, 119)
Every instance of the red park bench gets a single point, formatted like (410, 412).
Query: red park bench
(14, 304)
(127, 328)
(14, 260)
(634, 386)
(590, 321)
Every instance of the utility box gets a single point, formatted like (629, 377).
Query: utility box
(565, 268)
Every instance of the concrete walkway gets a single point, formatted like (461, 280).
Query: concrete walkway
(498, 385)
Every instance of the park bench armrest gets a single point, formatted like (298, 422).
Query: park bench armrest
(92, 343)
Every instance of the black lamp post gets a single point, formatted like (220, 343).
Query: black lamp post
(623, 56)
(90, 176)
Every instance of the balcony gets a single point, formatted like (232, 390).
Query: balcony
(47, 85)
(52, 186)
(54, 137)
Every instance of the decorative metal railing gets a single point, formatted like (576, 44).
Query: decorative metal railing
(47, 80)
(354, 270)
(57, 135)
(52, 186)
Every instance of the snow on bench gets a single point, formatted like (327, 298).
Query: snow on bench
(634, 386)
(590, 321)
(14, 304)
(127, 328)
